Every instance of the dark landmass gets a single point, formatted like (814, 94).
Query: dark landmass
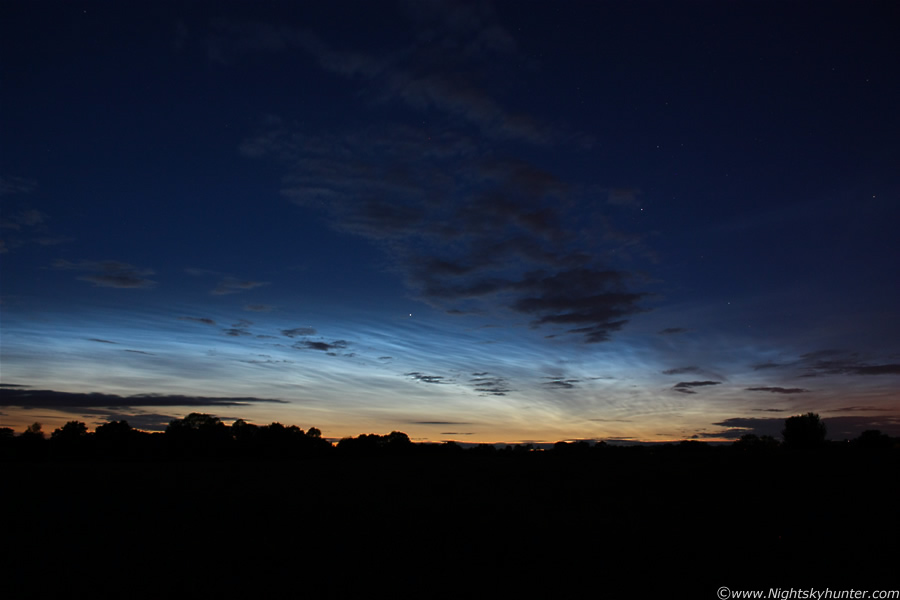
(141, 515)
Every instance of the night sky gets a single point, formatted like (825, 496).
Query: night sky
(484, 222)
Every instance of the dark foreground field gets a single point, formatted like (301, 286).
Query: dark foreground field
(632, 521)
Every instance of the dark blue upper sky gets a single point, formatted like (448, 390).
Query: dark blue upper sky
(482, 221)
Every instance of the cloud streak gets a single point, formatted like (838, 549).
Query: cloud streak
(687, 387)
(422, 377)
(110, 273)
(204, 320)
(832, 362)
(232, 285)
(27, 398)
(298, 332)
(329, 347)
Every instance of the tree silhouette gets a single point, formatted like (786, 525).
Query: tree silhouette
(873, 439)
(33, 431)
(71, 431)
(198, 433)
(113, 431)
(396, 442)
(118, 438)
(72, 439)
(196, 422)
(804, 431)
(750, 442)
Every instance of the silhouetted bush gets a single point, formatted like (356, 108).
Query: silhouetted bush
(804, 431)
(873, 440)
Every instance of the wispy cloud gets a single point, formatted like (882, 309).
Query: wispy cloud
(438, 379)
(53, 399)
(329, 347)
(10, 185)
(687, 387)
(204, 320)
(239, 329)
(110, 273)
(860, 409)
(560, 383)
(513, 242)
(672, 330)
(626, 197)
(236, 332)
(682, 370)
(231, 285)
(258, 308)
(24, 224)
(488, 384)
(738, 426)
(22, 219)
(399, 77)
(298, 332)
(832, 362)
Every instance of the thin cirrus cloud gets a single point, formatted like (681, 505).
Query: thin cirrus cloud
(10, 185)
(488, 384)
(109, 273)
(682, 370)
(831, 362)
(687, 387)
(511, 245)
(559, 383)
(22, 219)
(298, 332)
(673, 330)
(204, 320)
(329, 347)
(27, 398)
(851, 367)
(258, 308)
(239, 329)
(512, 242)
(400, 77)
(232, 285)
(236, 332)
(422, 377)
(20, 223)
(484, 383)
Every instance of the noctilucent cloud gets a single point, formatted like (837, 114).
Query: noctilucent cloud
(483, 222)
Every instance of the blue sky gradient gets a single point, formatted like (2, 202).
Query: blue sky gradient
(491, 222)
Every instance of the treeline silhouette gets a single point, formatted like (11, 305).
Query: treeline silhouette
(201, 435)
(243, 510)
